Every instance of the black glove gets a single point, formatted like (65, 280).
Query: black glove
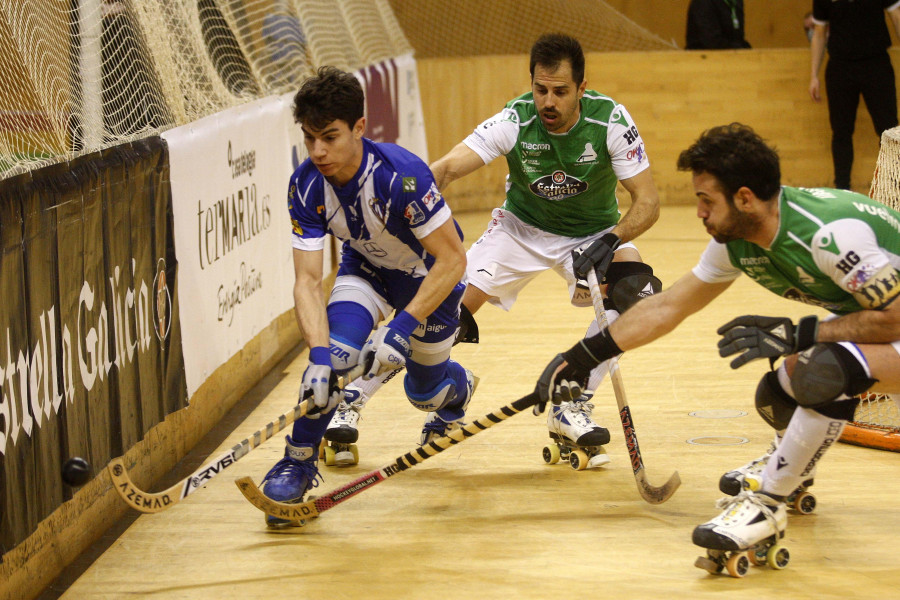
(765, 337)
(565, 377)
(597, 255)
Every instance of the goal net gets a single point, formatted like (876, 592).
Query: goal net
(78, 76)
(876, 423)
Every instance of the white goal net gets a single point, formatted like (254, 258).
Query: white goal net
(77, 76)
(876, 422)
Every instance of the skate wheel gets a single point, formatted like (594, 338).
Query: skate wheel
(329, 456)
(708, 565)
(355, 451)
(578, 459)
(805, 503)
(738, 564)
(778, 557)
(322, 445)
(751, 484)
(551, 454)
(758, 557)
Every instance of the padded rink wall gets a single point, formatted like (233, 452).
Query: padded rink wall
(138, 280)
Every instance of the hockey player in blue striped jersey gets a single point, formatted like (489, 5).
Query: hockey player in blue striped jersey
(402, 255)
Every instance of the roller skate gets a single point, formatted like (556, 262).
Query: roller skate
(746, 533)
(338, 446)
(290, 479)
(749, 476)
(576, 438)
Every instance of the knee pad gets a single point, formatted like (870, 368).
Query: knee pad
(434, 399)
(350, 325)
(773, 404)
(468, 328)
(827, 371)
(629, 282)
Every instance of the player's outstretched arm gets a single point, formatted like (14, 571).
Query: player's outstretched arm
(647, 320)
(644, 209)
(457, 163)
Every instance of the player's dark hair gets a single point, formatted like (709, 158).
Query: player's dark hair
(553, 48)
(330, 95)
(736, 156)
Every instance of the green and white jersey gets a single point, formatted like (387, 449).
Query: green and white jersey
(563, 183)
(835, 249)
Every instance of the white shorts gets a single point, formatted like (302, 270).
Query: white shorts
(510, 253)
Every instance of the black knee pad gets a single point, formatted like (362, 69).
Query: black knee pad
(774, 404)
(630, 281)
(468, 328)
(839, 409)
(825, 372)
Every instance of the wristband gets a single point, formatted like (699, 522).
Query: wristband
(405, 323)
(807, 330)
(320, 355)
(611, 240)
(602, 346)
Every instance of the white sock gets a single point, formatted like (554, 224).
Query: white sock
(599, 372)
(806, 439)
(369, 388)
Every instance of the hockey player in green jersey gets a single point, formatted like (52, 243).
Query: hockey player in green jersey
(831, 248)
(567, 148)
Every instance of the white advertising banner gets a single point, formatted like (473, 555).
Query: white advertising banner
(229, 175)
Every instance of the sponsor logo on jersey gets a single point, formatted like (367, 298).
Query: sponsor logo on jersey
(431, 327)
(819, 193)
(879, 211)
(558, 186)
(374, 249)
(432, 197)
(414, 214)
(860, 277)
(377, 207)
(754, 260)
(296, 227)
(533, 147)
(805, 277)
(880, 289)
(618, 117)
(799, 296)
(847, 262)
(636, 153)
(825, 241)
(409, 184)
(631, 135)
(589, 154)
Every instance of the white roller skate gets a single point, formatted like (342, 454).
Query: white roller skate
(747, 532)
(577, 438)
(749, 476)
(338, 445)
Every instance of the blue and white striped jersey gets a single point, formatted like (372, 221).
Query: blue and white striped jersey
(389, 205)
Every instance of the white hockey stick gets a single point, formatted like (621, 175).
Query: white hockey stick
(153, 502)
(652, 494)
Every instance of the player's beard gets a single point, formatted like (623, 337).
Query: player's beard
(738, 226)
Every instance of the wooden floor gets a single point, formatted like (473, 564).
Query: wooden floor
(488, 519)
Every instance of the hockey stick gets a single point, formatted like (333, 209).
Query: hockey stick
(652, 494)
(315, 507)
(153, 502)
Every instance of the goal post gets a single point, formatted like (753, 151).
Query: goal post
(876, 422)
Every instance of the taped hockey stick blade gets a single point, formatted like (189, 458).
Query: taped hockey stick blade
(658, 495)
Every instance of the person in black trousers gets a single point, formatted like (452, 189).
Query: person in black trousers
(857, 42)
(715, 25)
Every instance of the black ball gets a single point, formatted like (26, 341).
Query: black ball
(76, 472)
